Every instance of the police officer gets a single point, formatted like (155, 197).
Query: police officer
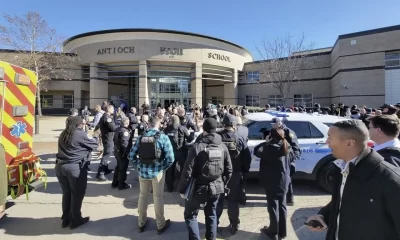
(74, 148)
(186, 121)
(179, 136)
(295, 154)
(121, 142)
(207, 164)
(133, 121)
(143, 125)
(107, 128)
(241, 158)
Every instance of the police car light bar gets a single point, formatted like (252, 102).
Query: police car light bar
(278, 114)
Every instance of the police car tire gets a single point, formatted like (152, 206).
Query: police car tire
(323, 176)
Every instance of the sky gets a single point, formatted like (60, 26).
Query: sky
(247, 23)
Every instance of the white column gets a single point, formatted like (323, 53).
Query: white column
(230, 90)
(98, 86)
(143, 88)
(197, 85)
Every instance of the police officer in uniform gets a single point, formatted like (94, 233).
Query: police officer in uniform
(241, 158)
(207, 164)
(178, 135)
(295, 154)
(133, 121)
(107, 128)
(74, 148)
(186, 121)
(143, 125)
(121, 142)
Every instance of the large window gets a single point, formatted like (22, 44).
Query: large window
(47, 101)
(275, 100)
(303, 99)
(302, 129)
(253, 100)
(253, 77)
(392, 60)
(68, 101)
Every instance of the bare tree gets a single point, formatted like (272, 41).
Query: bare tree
(38, 48)
(284, 61)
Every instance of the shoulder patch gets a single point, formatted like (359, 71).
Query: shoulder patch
(126, 134)
(291, 135)
(89, 136)
(109, 120)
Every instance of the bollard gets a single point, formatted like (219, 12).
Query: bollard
(36, 124)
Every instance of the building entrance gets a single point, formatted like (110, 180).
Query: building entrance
(168, 88)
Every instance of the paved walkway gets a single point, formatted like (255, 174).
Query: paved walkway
(114, 213)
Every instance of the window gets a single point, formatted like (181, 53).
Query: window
(303, 99)
(253, 77)
(68, 101)
(315, 133)
(255, 129)
(85, 72)
(253, 100)
(47, 101)
(302, 129)
(275, 100)
(392, 60)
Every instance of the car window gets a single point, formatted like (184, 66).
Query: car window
(315, 133)
(255, 127)
(302, 129)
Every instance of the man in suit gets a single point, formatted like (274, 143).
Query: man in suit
(365, 189)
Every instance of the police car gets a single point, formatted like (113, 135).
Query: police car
(311, 131)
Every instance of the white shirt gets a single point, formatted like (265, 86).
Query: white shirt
(392, 143)
(345, 172)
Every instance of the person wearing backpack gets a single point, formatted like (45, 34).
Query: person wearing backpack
(241, 159)
(152, 155)
(178, 135)
(207, 167)
(384, 130)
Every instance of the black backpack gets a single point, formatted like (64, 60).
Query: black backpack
(232, 146)
(148, 151)
(213, 167)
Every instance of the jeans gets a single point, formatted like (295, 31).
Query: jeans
(192, 208)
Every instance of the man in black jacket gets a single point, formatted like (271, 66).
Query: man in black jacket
(241, 159)
(207, 164)
(384, 130)
(133, 121)
(365, 189)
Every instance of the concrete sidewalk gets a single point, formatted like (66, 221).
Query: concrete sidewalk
(49, 129)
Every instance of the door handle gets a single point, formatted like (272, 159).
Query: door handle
(320, 143)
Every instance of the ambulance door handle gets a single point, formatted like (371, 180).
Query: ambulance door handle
(320, 143)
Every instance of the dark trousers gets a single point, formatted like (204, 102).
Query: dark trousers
(289, 195)
(192, 208)
(120, 170)
(235, 186)
(277, 214)
(170, 176)
(108, 150)
(73, 181)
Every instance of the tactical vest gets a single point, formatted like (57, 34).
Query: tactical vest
(213, 167)
(148, 151)
(231, 144)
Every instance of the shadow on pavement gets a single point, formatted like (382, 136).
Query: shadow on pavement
(122, 226)
(298, 218)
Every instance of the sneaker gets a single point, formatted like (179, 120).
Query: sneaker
(101, 177)
(80, 223)
(125, 186)
(141, 229)
(166, 226)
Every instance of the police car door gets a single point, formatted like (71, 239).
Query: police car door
(311, 136)
(255, 138)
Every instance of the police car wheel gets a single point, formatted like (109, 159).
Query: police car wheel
(324, 177)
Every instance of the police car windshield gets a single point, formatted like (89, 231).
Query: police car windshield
(247, 122)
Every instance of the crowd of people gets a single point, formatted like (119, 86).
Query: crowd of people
(210, 168)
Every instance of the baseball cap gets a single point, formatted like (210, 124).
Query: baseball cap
(229, 120)
(276, 120)
(210, 125)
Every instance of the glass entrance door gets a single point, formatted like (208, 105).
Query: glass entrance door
(134, 91)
